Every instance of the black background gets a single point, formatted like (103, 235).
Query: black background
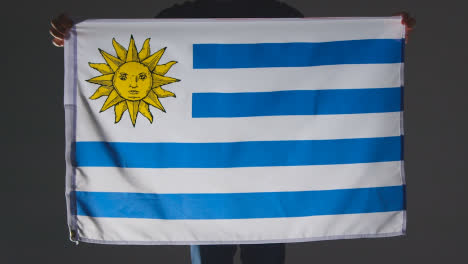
(33, 212)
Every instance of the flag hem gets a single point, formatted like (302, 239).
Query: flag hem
(292, 240)
(70, 88)
(402, 131)
(229, 19)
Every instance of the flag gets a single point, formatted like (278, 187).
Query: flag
(234, 131)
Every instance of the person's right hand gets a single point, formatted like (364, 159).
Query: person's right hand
(59, 28)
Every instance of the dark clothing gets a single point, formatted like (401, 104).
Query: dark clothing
(230, 9)
(249, 254)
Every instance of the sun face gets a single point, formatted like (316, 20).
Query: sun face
(132, 81)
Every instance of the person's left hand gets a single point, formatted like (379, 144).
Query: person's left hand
(59, 29)
(408, 21)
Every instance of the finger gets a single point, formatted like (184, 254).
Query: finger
(58, 42)
(58, 26)
(408, 31)
(404, 17)
(62, 23)
(411, 22)
(407, 36)
(56, 34)
(64, 19)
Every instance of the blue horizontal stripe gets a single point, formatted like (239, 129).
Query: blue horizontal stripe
(238, 154)
(297, 54)
(240, 205)
(296, 102)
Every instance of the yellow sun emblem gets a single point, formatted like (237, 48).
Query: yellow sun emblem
(132, 81)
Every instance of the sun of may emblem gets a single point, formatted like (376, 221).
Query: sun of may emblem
(132, 81)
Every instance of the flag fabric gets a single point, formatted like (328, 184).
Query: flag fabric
(234, 131)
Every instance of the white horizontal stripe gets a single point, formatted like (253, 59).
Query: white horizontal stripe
(182, 128)
(244, 31)
(238, 180)
(238, 231)
(349, 76)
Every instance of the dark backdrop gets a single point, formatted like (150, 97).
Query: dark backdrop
(33, 212)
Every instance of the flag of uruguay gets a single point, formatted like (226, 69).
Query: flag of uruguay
(234, 131)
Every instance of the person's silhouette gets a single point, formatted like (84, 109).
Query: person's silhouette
(272, 253)
(249, 253)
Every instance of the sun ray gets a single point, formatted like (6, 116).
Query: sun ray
(101, 67)
(133, 110)
(164, 68)
(145, 50)
(153, 60)
(143, 108)
(119, 109)
(132, 53)
(101, 91)
(119, 49)
(113, 99)
(105, 80)
(159, 80)
(112, 61)
(152, 99)
(161, 93)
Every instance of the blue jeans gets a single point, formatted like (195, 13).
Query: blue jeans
(249, 253)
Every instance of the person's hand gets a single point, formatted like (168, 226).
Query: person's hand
(59, 28)
(408, 21)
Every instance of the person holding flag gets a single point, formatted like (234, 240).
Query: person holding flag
(273, 253)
